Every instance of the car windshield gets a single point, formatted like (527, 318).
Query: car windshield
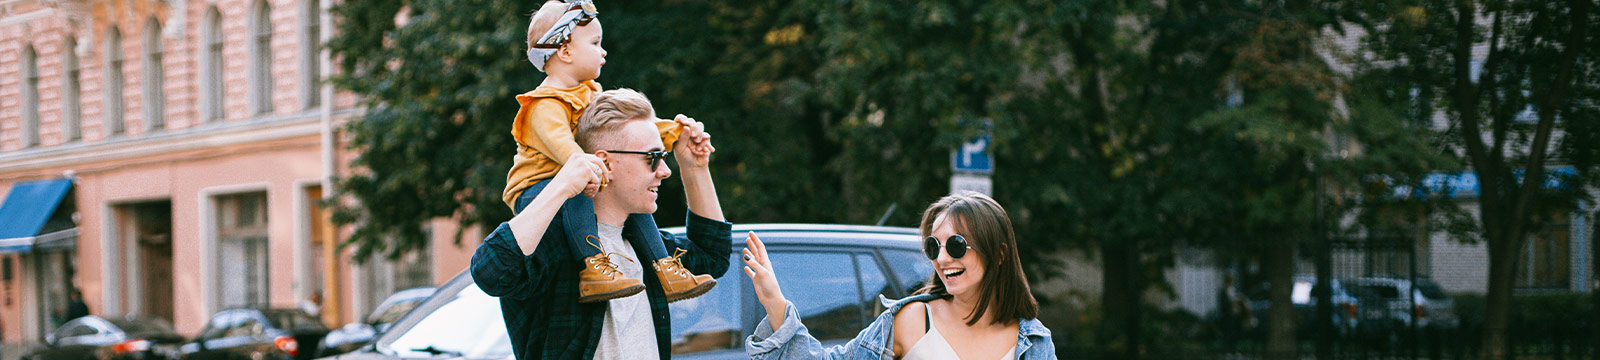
(1430, 289)
(469, 326)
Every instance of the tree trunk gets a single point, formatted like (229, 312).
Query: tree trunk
(1497, 303)
(1280, 317)
(1120, 327)
(1594, 292)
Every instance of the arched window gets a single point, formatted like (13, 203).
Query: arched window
(310, 49)
(154, 96)
(260, 58)
(71, 93)
(114, 83)
(30, 97)
(211, 85)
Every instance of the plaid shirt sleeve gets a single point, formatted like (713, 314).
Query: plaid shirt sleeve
(709, 243)
(501, 270)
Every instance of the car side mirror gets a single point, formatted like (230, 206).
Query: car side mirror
(50, 339)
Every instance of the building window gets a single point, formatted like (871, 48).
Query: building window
(30, 98)
(71, 111)
(1546, 256)
(310, 48)
(114, 82)
(384, 277)
(261, 58)
(211, 88)
(242, 232)
(154, 98)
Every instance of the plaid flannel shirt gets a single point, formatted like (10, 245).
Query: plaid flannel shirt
(539, 293)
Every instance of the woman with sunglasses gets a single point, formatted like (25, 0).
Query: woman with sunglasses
(977, 305)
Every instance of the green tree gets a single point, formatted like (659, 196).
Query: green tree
(826, 112)
(1507, 78)
(438, 96)
(1110, 126)
(1127, 143)
(1100, 150)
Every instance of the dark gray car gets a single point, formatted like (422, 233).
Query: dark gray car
(125, 338)
(357, 334)
(256, 334)
(833, 273)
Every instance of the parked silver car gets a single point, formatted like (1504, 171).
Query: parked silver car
(1429, 306)
(1303, 299)
(1387, 314)
(838, 273)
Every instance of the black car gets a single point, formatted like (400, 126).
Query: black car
(834, 275)
(92, 337)
(256, 334)
(357, 334)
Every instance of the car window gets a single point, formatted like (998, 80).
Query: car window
(1430, 289)
(711, 321)
(873, 281)
(246, 325)
(220, 324)
(146, 326)
(470, 325)
(1384, 292)
(911, 269)
(1301, 293)
(295, 321)
(79, 329)
(393, 313)
(823, 287)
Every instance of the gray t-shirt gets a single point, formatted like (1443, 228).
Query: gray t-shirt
(628, 332)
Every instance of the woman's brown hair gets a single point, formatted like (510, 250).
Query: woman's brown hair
(987, 228)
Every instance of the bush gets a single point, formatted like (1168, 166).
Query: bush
(1551, 323)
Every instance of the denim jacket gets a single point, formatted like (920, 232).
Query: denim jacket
(792, 341)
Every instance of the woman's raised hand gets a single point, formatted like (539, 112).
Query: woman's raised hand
(759, 267)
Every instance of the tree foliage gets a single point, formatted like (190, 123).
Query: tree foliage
(1511, 85)
(1126, 129)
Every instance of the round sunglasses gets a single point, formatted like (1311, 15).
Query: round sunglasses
(955, 245)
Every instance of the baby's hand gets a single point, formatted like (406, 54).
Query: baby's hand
(694, 143)
(583, 174)
(695, 131)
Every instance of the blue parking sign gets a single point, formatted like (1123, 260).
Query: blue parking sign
(973, 156)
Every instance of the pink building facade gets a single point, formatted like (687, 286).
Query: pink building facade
(197, 137)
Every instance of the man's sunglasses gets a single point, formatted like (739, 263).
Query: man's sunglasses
(656, 157)
(956, 246)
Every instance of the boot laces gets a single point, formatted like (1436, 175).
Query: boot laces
(675, 263)
(604, 263)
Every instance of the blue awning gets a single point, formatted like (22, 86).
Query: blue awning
(28, 207)
(1464, 185)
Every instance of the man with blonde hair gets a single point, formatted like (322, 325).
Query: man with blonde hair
(525, 261)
